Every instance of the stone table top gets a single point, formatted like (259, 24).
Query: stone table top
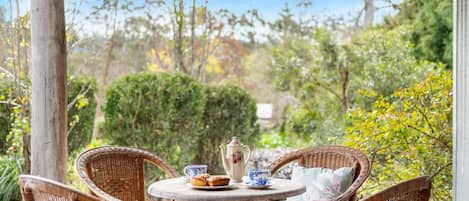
(178, 189)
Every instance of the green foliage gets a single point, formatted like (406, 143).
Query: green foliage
(329, 77)
(280, 138)
(433, 22)
(175, 117)
(19, 128)
(229, 111)
(383, 62)
(10, 169)
(81, 110)
(14, 123)
(433, 34)
(155, 112)
(408, 134)
(6, 92)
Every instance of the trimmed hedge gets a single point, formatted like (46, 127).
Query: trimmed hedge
(229, 111)
(177, 118)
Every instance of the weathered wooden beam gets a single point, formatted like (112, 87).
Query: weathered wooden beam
(49, 98)
(460, 100)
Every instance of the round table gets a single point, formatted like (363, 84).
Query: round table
(178, 189)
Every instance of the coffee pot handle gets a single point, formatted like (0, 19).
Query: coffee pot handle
(185, 171)
(248, 156)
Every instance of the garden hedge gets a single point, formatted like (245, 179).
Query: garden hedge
(177, 118)
(229, 111)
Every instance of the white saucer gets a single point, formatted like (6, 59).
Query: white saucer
(254, 186)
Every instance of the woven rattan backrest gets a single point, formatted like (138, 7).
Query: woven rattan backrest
(118, 172)
(34, 188)
(332, 157)
(331, 160)
(417, 189)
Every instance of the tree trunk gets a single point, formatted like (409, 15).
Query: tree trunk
(193, 38)
(345, 85)
(27, 153)
(99, 98)
(178, 37)
(369, 12)
(49, 97)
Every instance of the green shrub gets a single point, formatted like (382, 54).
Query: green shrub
(408, 135)
(177, 118)
(229, 111)
(81, 98)
(160, 113)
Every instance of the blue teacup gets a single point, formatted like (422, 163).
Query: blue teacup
(259, 177)
(194, 170)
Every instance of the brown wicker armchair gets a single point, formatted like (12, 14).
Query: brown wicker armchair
(332, 157)
(34, 188)
(417, 189)
(118, 172)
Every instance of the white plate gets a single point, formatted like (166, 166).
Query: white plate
(210, 187)
(253, 186)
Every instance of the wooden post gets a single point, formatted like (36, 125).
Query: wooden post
(49, 98)
(460, 99)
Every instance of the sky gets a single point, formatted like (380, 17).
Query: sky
(268, 9)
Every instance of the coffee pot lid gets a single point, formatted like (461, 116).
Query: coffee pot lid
(235, 142)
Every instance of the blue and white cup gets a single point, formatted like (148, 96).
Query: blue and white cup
(194, 170)
(259, 177)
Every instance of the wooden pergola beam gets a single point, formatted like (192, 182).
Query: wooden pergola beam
(460, 99)
(49, 98)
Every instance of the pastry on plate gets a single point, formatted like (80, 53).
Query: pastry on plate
(218, 181)
(200, 180)
(204, 176)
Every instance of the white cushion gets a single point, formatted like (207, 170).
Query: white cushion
(322, 184)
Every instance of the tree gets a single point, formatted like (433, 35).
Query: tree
(433, 24)
(291, 25)
(408, 134)
(369, 12)
(434, 31)
(14, 68)
(197, 42)
(2, 13)
(331, 76)
(108, 11)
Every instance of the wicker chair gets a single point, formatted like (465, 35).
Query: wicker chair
(34, 188)
(118, 172)
(417, 189)
(332, 157)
